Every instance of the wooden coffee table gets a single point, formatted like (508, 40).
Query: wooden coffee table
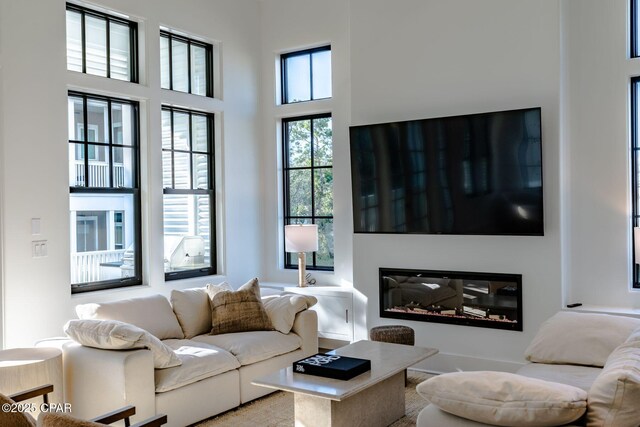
(375, 398)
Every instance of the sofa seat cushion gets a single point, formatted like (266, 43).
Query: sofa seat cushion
(577, 376)
(199, 361)
(254, 346)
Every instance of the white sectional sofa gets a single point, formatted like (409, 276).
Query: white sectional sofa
(598, 355)
(216, 370)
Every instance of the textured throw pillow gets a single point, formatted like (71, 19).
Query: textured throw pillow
(579, 338)
(505, 399)
(115, 335)
(282, 309)
(239, 311)
(14, 419)
(153, 314)
(193, 311)
(614, 397)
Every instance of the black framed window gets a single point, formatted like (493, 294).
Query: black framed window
(306, 75)
(101, 44)
(308, 183)
(635, 174)
(635, 20)
(186, 65)
(104, 187)
(189, 193)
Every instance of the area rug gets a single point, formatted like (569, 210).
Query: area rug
(276, 409)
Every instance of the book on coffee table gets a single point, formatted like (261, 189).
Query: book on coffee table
(332, 366)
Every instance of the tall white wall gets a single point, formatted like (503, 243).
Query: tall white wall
(415, 59)
(597, 186)
(37, 299)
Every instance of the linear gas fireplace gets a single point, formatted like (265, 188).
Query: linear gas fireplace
(488, 300)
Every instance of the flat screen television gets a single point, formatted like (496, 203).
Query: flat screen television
(472, 174)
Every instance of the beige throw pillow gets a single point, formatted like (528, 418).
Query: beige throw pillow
(115, 335)
(579, 338)
(282, 309)
(505, 399)
(239, 311)
(614, 397)
(212, 289)
(193, 311)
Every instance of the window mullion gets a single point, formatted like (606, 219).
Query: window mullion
(84, 41)
(108, 53)
(110, 146)
(85, 119)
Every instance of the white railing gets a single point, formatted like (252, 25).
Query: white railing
(85, 266)
(99, 174)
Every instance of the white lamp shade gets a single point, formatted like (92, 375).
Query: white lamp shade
(301, 238)
(636, 244)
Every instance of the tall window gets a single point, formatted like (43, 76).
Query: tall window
(186, 65)
(104, 192)
(188, 180)
(635, 172)
(635, 34)
(101, 44)
(306, 75)
(308, 183)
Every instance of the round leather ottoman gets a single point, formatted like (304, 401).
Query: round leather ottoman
(396, 334)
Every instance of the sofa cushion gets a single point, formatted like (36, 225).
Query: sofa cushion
(115, 335)
(574, 375)
(252, 347)
(579, 338)
(152, 313)
(282, 309)
(193, 311)
(615, 395)
(239, 311)
(504, 399)
(199, 361)
(212, 289)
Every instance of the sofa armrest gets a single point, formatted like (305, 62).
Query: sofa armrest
(97, 381)
(306, 327)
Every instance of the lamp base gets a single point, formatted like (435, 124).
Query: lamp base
(302, 276)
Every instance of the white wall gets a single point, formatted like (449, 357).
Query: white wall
(416, 59)
(596, 186)
(37, 299)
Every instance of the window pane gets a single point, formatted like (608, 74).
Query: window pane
(74, 41)
(166, 170)
(98, 121)
(76, 165)
(122, 119)
(187, 234)
(321, 66)
(198, 70)
(123, 167)
(75, 113)
(120, 51)
(180, 131)
(201, 171)
(322, 137)
(98, 158)
(94, 256)
(299, 192)
(324, 256)
(96, 41)
(200, 133)
(165, 77)
(166, 129)
(299, 133)
(182, 170)
(323, 191)
(180, 71)
(298, 78)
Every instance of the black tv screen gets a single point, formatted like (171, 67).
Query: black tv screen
(472, 174)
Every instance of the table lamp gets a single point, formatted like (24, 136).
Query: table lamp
(301, 238)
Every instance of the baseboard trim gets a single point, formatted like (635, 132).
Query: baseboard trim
(444, 362)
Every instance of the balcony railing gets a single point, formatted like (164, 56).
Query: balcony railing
(89, 266)
(99, 174)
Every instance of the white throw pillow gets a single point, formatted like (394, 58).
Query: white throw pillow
(504, 399)
(115, 335)
(153, 314)
(193, 311)
(282, 309)
(579, 338)
(614, 397)
(212, 290)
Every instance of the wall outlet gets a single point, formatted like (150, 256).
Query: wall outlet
(39, 248)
